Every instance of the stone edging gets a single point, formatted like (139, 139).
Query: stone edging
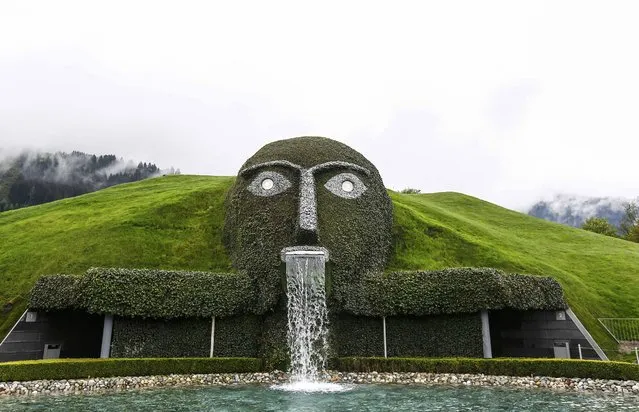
(226, 379)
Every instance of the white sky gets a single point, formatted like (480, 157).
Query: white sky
(507, 101)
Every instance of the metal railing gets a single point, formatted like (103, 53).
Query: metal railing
(622, 329)
(586, 352)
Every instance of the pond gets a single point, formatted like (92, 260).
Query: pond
(350, 398)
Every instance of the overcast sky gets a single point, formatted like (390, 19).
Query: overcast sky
(507, 101)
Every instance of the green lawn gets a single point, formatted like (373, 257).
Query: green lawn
(175, 222)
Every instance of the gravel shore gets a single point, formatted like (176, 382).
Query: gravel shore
(138, 382)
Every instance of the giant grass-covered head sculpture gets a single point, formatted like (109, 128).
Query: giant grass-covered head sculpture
(307, 192)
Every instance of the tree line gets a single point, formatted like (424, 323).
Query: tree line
(34, 178)
(628, 227)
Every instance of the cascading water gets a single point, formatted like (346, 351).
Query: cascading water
(307, 314)
(307, 320)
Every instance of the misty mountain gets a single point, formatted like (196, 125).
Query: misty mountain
(574, 210)
(32, 178)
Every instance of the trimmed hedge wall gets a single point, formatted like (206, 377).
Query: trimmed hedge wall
(568, 368)
(55, 292)
(237, 336)
(356, 336)
(443, 335)
(146, 293)
(165, 294)
(150, 338)
(85, 368)
(102, 368)
(456, 290)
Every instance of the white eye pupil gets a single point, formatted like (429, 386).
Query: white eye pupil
(267, 184)
(347, 186)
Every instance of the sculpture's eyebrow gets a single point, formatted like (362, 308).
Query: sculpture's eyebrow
(316, 168)
(284, 163)
(336, 165)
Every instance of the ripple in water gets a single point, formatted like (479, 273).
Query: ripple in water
(358, 398)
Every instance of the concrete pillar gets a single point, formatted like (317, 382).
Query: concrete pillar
(384, 326)
(107, 331)
(212, 336)
(485, 334)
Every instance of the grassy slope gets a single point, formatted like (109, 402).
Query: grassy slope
(176, 222)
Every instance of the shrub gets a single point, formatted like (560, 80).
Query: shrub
(456, 290)
(438, 335)
(157, 338)
(600, 225)
(146, 293)
(235, 336)
(568, 368)
(55, 292)
(101, 368)
(165, 294)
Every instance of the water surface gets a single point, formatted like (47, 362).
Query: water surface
(357, 398)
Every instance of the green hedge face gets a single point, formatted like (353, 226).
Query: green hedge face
(154, 338)
(343, 207)
(448, 291)
(146, 293)
(55, 292)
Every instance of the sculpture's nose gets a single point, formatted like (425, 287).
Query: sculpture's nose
(307, 233)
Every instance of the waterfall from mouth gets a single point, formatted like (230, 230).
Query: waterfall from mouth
(307, 314)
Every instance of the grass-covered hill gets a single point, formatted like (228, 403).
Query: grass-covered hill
(176, 222)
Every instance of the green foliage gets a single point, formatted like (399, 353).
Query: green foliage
(568, 368)
(436, 336)
(633, 235)
(457, 290)
(152, 338)
(630, 221)
(102, 368)
(146, 293)
(273, 346)
(237, 336)
(356, 336)
(443, 335)
(175, 222)
(597, 273)
(55, 292)
(172, 222)
(26, 180)
(410, 191)
(165, 294)
(599, 225)
(356, 231)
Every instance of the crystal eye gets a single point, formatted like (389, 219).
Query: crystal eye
(345, 185)
(268, 183)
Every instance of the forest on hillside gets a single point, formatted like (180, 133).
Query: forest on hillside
(615, 217)
(32, 178)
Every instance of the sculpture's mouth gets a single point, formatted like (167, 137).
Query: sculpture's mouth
(304, 251)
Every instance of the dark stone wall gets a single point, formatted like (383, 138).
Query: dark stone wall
(78, 333)
(534, 333)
